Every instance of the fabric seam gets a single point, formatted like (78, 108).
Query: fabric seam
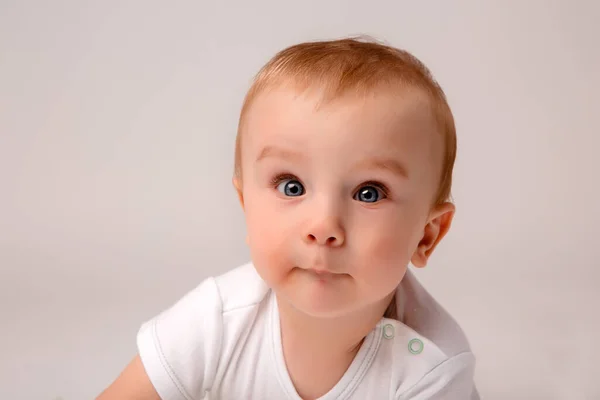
(432, 370)
(364, 366)
(167, 367)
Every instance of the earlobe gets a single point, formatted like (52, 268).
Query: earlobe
(438, 226)
(237, 184)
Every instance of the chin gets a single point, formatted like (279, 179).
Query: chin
(320, 297)
(319, 310)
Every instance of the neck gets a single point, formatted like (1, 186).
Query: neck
(318, 351)
(329, 336)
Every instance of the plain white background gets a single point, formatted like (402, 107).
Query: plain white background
(117, 126)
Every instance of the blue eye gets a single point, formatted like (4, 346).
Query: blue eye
(291, 187)
(368, 194)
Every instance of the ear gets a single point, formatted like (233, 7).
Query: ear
(439, 223)
(237, 184)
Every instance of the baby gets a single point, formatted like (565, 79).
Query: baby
(343, 168)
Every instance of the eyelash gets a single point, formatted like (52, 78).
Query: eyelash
(284, 177)
(377, 185)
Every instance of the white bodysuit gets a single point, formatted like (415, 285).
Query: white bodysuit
(222, 341)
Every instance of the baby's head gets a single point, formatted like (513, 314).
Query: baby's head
(343, 166)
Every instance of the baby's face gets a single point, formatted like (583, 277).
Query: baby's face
(336, 199)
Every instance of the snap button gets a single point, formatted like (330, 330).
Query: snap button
(388, 331)
(415, 346)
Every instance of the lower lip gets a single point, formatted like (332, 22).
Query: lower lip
(322, 275)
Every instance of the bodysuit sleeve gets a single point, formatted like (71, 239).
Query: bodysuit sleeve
(180, 347)
(450, 380)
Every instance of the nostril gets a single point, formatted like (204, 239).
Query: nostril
(330, 241)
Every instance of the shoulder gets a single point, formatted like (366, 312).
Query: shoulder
(423, 314)
(203, 307)
(241, 287)
(181, 346)
(432, 357)
(451, 378)
(419, 369)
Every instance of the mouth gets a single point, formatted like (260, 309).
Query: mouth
(320, 272)
(323, 274)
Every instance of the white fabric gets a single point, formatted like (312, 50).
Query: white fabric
(222, 341)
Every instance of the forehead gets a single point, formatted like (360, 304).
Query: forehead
(382, 122)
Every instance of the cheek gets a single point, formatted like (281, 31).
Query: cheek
(383, 249)
(384, 237)
(268, 243)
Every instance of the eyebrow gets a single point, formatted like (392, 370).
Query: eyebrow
(389, 164)
(271, 151)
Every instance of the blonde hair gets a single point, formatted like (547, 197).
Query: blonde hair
(360, 65)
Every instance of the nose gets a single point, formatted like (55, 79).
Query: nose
(326, 232)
